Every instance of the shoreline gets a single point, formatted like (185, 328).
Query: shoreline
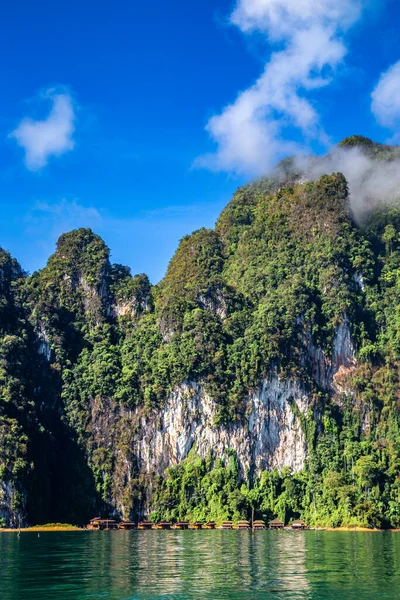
(42, 529)
(355, 528)
(39, 529)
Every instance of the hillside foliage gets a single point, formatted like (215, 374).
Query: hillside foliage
(285, 266)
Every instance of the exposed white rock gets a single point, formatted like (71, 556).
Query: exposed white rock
(122, 309)
(343, 347)
(215, 303)
(359, 279)
(129, 308)
(12, 518)
(44, 343)
(95, 297)
(270, 437)
(328, 369)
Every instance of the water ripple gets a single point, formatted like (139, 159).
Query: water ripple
(209, 565)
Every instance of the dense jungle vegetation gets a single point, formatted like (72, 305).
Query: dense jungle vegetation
(284, 267)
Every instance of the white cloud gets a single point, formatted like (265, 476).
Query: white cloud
(386, 97)
(250, 132)
(52, 136)
(280, 18)
(372, 182)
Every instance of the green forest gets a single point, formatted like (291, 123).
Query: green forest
(85, 345)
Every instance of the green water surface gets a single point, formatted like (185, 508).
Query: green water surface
(199, 564)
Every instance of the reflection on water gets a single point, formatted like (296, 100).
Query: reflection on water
(133, 565)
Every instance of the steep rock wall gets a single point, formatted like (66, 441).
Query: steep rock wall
(329, 372)
(270, 436)
(10, 516)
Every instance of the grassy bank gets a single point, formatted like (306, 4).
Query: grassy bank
(69, 527)
(46, 527)
(358, 529)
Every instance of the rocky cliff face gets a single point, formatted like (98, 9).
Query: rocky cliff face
(257, 324)
(270, 436)
(330, 372)
(9, 514)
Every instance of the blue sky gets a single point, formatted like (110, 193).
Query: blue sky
(136, 84)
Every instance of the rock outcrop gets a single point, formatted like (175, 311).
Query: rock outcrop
(270, 436)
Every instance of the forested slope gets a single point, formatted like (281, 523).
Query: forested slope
(260, 373)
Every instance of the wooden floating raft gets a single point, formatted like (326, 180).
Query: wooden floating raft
(164, 525)
(182, 525)
(126, 525)
(243, 525)
(299, 525)
(94, 523)
(145, 525)
(99, 524)
(276, 524)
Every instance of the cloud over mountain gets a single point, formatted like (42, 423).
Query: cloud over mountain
(250, 132)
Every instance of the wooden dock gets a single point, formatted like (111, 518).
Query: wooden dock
(164, 525)
(100, 524)
(182, 525)
(126, 525)
(145, 525)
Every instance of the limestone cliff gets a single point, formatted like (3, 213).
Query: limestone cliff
(261, 373)
(270, 436)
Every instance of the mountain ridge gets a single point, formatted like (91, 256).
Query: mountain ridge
(260, 374)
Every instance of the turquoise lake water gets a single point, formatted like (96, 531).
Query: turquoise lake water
(163, 565)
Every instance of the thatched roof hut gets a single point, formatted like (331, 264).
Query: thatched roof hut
(276, 524)
(243, 525)
(258, 524)
(298, 524)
